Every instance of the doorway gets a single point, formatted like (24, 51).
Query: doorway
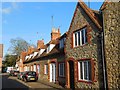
(52, 72)
(71, 74)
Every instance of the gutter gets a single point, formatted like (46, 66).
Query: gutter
(103, 56)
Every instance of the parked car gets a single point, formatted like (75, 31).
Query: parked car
(13, 73)
(9, 69)
(30, 76)
(19, 76)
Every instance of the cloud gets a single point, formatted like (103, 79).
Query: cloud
(6, 10)
(14, 5)
(9, 9)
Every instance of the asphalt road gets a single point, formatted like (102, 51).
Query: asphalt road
(12, 83)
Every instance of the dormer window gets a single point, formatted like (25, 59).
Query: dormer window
(61, 44)
(50, 47)
(26, 57)
(35, 53)
(41, 51)
(30, 56)
(80, 37)
(20, 60)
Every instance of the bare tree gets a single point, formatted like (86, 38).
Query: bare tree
(18, 45)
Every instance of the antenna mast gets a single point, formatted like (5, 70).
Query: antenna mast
(52, 21)
(89, 3)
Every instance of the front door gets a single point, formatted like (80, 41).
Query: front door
(71, 73)
(52, 72)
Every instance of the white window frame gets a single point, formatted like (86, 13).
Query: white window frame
(63, 72)
(31, 68)
(38, 68)
(83, 69)
(46, 69)
(34, 69)
(20, 60)
(77, 36)
(28, 68)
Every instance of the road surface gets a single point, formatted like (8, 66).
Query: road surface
(12, 83)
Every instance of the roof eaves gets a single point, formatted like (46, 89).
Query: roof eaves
(104, 5)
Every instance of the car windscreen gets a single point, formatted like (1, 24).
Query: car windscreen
(32, 73)
(21, 73)
(16, 71)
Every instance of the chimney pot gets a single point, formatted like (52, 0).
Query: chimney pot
(55, 33)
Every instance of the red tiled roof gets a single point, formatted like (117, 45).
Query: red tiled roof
(64, 35)
(89, 12)
(54, 41)
(55, 50)
(104, 5)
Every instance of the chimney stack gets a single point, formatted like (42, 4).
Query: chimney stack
(40, 44)
(55, 33)
(30, 49)
(23, 54)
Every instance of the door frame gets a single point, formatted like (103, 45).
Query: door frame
(51, 72)
(68, 72)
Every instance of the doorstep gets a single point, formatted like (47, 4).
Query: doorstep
(51, 84)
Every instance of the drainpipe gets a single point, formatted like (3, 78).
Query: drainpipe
(103, 55)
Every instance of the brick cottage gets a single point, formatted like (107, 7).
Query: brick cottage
(86, 56)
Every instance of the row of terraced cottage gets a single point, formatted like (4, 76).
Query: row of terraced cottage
(83, 57)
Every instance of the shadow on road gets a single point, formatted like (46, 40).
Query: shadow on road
(11, 84)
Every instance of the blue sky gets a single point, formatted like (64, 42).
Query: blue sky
(25, 19)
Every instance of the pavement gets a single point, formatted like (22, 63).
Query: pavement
(51, 84)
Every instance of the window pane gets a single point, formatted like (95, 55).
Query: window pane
(38, 66)
(85, 70)
(85, 35)
(78, 38)
(63, 42)
(61, 69)
(81, 71)
(89, 67)
(75, 39)
(46, 69)
(82, 36)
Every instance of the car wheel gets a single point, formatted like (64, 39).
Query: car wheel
(21, 79)
(25, 79)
